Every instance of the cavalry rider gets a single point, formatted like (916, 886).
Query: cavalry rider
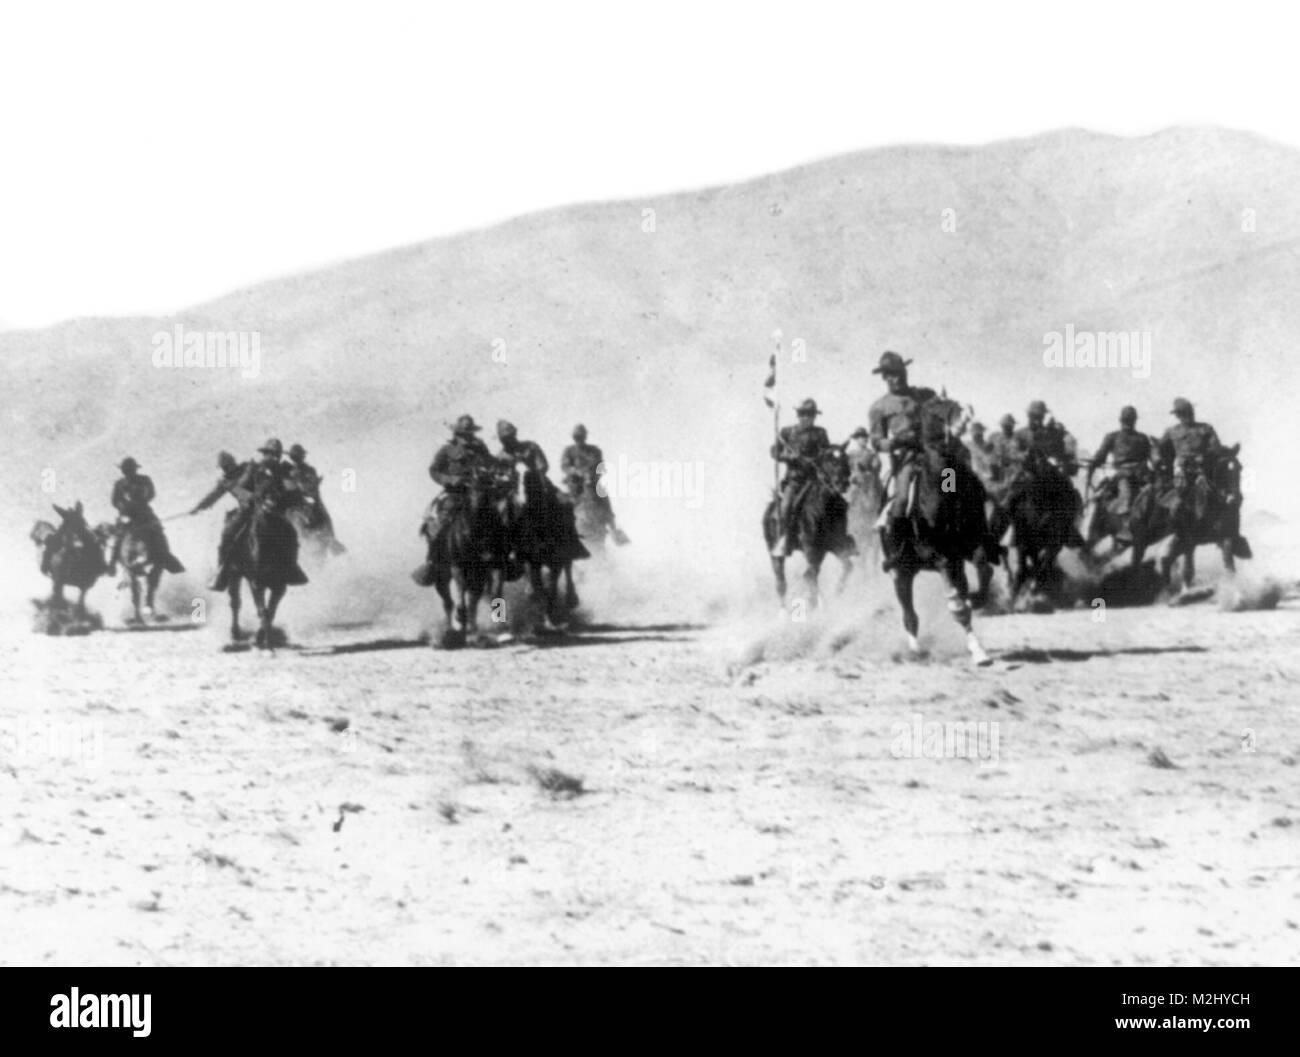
(580, 466)
(801, 448)
(524, 456)
(864, 463)
(894, 424)
(901, 430)
(456, 466)
(306, 482)
(1186, 449)
(265, 484)
(232, 472)
(133, 493)
(1131, 452)
(1003, 455)
(1046, 444)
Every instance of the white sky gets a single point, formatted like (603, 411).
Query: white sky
(153, 155)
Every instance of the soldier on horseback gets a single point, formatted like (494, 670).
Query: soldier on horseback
(1002, 453)
(133, 493)
(800, 447)
(894, 425)
(1131, 453)
(1185, 452)
(464, 462)
(580, 466)
(306, 483)
(232, 472)
(1041, 449)
(263, 484)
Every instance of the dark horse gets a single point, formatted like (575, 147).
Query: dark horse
(72, 555)
(145, 558)
(1204, 509)
(264, 552)
(819, 525)
(467, 551)
(1042, 509)
(944, 525)
(546, 540)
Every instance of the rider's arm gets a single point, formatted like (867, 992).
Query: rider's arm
(211, 498)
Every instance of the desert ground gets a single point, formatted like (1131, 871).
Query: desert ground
(652, 790)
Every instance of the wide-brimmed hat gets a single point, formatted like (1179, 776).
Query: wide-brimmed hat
(504, 428)
(297, 451)
(1007, 420)
(808, 407)
(466, 424)
(1182, 406)
(272, 447)
(128, 464)
(579, 431)
(1128, 411)
(890, 363)
(1037, 407)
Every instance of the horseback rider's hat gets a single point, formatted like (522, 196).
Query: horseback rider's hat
(1128, 413)
(297, 452)
(579, 432)
(505, 429)
(1036, 408)
(272, 447)
(890, 363)
(1007, 420)
(1182, 406)
(466, 424)
(808, 407)
(128, 464)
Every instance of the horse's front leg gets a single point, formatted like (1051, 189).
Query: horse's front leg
(571, 598)
(235, 634)
(810, 576)
(155, 577)
(276, 593)
(903, 583)
(778, 570)
(1229, 559)
(959, 607)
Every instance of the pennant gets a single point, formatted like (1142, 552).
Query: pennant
(770, 384)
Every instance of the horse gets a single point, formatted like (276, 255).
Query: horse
(546, 540)
(819, 524)
(1042, 510)
(264, 552)
(468, 551)
(944, 525)
(144, 559)
(593, 515)
(314, 527)
(72, 555)
(1205, 509)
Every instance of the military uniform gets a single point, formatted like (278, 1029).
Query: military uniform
(894, 423)
(459, 461)
(800, 447)
(579, 465)
(1053, 443)
(131, 498)
(260, 484)
(1131, 452)
(1004, 456)
(1186, 446)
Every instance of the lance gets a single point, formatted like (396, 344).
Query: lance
(775, 405)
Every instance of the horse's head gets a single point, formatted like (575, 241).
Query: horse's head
(1224, 471)
(834, 468)
(72, 520)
